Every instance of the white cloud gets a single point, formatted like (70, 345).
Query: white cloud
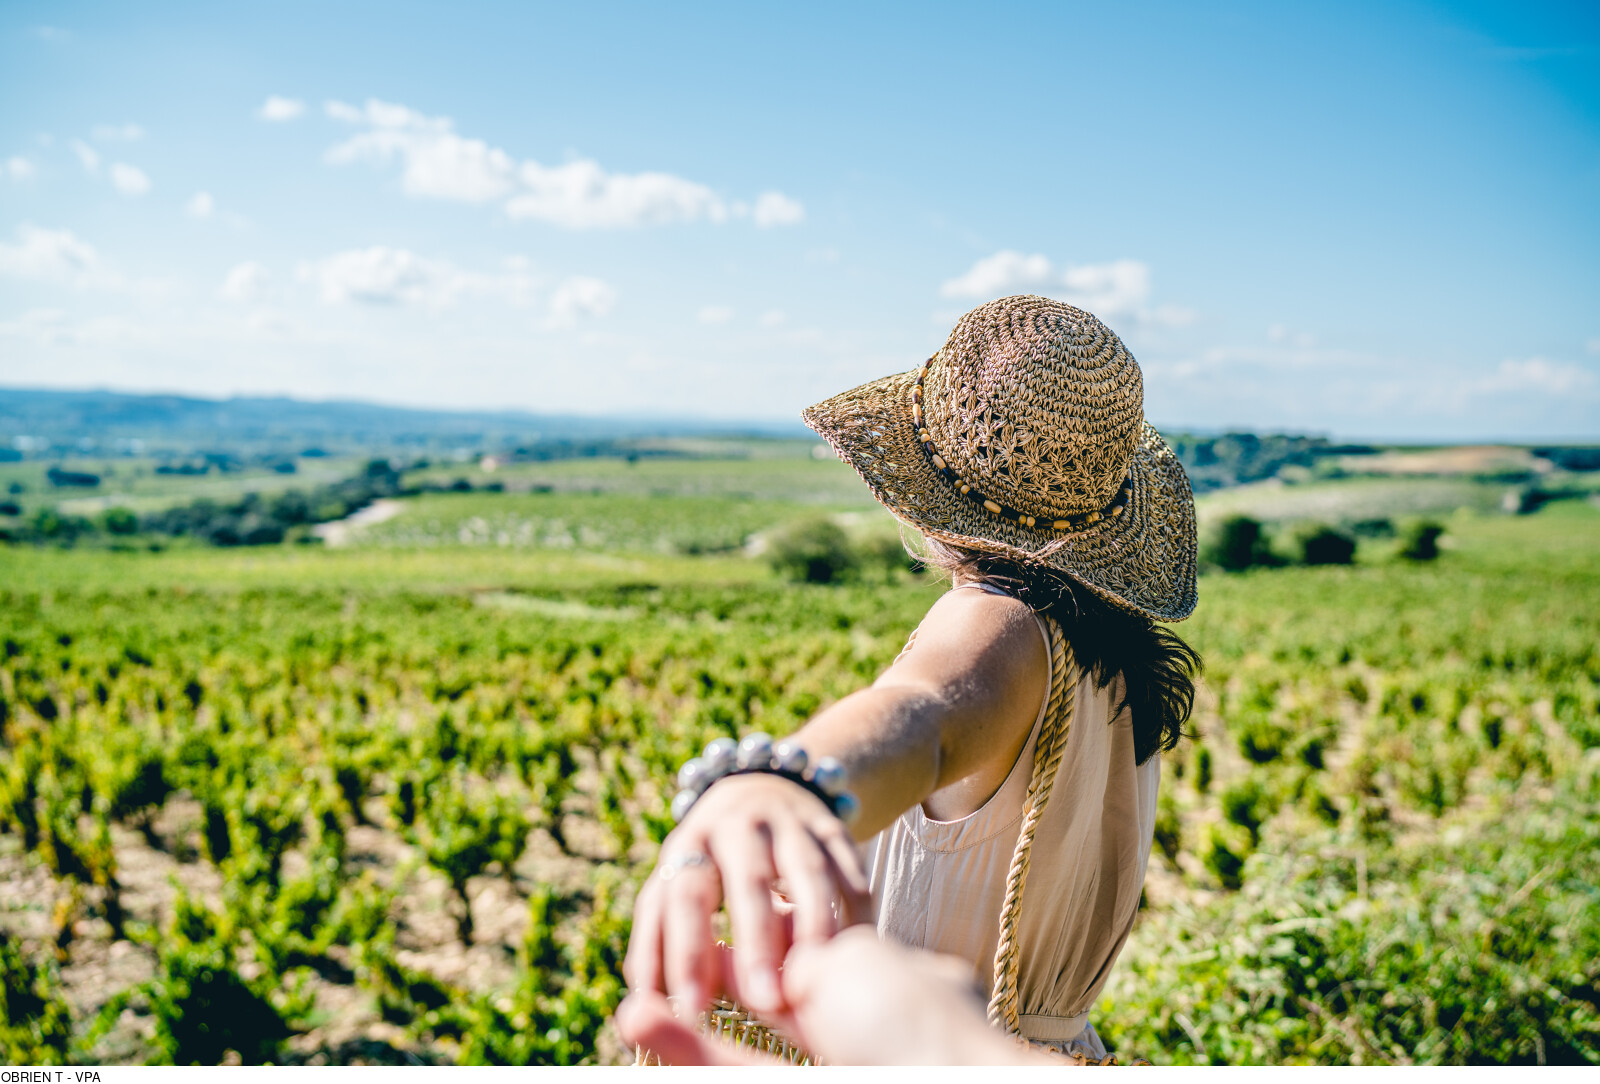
(1000, 274)
(439, 163)
(1116, 290)
(201, 205)
(118, 133)
(19, 168)
(773, 318)
(129, 180)
(44, 326)
(582, 195)
(87, 155)
(715, 314)
(280, 109)
(343, 111)
(1287, 336)
(56, 256)
(580, 296)
(246, 282)
(777, 209)
(1537, 375)
(381, 275)
(436, 161)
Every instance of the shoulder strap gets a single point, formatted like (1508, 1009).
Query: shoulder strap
(1003, 1010)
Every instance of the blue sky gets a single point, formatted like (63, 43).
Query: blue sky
(1365, 219)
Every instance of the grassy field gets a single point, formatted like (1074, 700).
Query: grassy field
(389, 802)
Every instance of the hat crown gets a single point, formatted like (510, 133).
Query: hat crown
(1037, 404)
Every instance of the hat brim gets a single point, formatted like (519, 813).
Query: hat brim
(1143, 560)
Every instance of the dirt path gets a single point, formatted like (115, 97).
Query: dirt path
(341, 532)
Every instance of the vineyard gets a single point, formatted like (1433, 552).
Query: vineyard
(390, 803)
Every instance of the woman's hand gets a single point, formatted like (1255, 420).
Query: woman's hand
(746, 834)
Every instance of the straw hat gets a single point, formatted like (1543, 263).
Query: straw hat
(1025, 436)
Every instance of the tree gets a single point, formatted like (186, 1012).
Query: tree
(1324, 545)
(1237, 543)
(812, 551)
(1420, 541)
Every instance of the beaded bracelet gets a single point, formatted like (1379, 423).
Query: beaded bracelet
(757, 755)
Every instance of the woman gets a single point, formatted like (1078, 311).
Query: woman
(1014, 743)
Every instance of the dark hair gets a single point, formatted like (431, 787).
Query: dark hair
(1157, 667)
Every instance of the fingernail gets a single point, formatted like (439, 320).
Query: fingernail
(762, 990)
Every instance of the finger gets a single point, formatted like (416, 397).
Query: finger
(748, 873)
(851, 876)
(688, 948)
(642, 966)
(644, 1019)
(808, 875)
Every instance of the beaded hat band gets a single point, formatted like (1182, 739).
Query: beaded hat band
(1025, 436)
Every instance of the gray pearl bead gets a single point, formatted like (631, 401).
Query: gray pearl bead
(846, 807)
(681, 803)
(693, 775)
(755, 752)
(788, 757)
(720, 756)
(828, 776)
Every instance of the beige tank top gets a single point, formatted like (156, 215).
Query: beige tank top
(939, 885)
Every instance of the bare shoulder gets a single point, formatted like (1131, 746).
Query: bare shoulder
(982, 624)
(978, 657)
(979, 650)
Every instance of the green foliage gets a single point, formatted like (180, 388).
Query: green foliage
(1320, 544)
(119, 521)
(1237, 543)
(1419, 540)
(35, 1025)
(1482, 951)
(201, 1006)
(1381, 766)
(812, 550)
(462, 831)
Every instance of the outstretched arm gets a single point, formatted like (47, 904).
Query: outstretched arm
(947, 720)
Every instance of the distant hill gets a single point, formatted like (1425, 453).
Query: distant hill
(105, 421)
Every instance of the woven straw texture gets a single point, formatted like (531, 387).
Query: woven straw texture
(1032, 414)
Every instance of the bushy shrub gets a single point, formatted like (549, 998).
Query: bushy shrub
(1237, 543)
(887, 552)
(119, 521)
(812, 551)
(1419, 541)
(1321, 544)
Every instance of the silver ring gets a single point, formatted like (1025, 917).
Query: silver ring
(673, 866)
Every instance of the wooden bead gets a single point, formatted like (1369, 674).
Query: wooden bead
(990, 505)
(1092, 517)
(916, 413)
(938, 461)
(1060, 525)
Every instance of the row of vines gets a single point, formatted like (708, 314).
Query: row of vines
(286, 824)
